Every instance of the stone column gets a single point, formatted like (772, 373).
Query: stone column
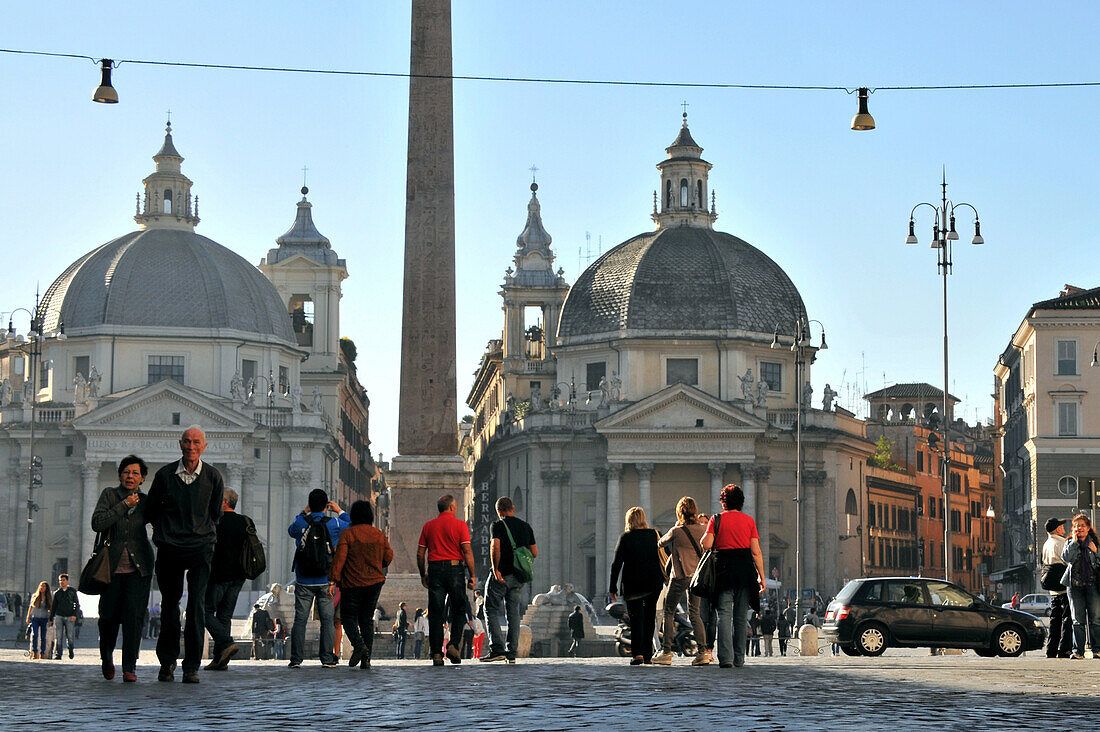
(601, 533)
(748, 485)
(717, 472)
(89, 473)
(763, 511)
(233, 474)
(614, 511)
(812, 481)
(645, 490)
(555, 541)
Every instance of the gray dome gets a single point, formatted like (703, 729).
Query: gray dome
(166, 278)
(680, 280)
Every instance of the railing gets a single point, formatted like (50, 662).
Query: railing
(55, 415)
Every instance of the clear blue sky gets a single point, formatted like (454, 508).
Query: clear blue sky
(828, 204)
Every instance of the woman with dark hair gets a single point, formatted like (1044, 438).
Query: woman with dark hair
(1082, 555)
(38, 616)
(120, 517)
(636, 557)
(740, 576)
(358, 568)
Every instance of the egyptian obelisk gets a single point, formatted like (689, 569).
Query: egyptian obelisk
(428, 464)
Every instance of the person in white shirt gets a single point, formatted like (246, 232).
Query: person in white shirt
(1061, 631)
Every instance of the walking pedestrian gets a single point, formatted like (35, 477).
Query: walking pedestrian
(783, 626)
(184, 507)
(709, 610)
(262, 627)
(316, 537)
(636, 557)
(64, 612)
(767, 629)
(359, 567)
(154, 616)
(682, 543)
(479, 637)
(226, 579)
(400, 630)
(754, 634)
(740, 576)
(1082, 554)
(468, 634)
(504, 586)
(1060, 638)
(576, 630)
(120, 517)
(38, 617)
(420, 632)
(442, 550)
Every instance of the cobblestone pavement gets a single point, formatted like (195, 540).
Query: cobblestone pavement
(901, 690)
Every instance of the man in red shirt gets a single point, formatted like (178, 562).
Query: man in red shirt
(443, 548)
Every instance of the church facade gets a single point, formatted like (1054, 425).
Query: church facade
(160, 329)
(656, 375)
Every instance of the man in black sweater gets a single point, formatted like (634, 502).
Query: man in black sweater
(184, 506)
(226, 579)
(63, 614)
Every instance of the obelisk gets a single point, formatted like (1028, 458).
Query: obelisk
(428, 464)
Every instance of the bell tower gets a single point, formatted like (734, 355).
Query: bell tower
(168, 203)
(682, 198)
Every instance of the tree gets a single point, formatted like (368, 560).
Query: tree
(883, 456)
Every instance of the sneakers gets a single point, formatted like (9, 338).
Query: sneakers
(453, 654)
(129, 676)
(329, 664)
(190, 677)
(701, 659)
(294, 664)
(166, 671)
(357, 656)
(637, 661)
(493, 657)
(664, 658)
(437, 659)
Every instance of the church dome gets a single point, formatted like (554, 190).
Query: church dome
(682, 280)
(165, 278)
(685, 278)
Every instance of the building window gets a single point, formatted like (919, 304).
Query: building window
(165, 367)
(594, 373)
(772, 373)
(1067, 486)
(682, 371)
(956, 520)
(44, 375)
(683, 193)
(1067, 419)
(871, 514)
(920, 461)
(81, 366)
(931, 507)
(1067, 358)
(284, 380)
(248, 371)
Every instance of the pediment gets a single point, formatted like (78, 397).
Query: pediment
(681, 407)
(153, 406)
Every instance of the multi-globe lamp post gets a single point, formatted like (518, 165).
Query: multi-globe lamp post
(943, 236)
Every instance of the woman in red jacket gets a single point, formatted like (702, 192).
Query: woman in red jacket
(362, 554)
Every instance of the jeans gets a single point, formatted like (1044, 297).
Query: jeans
(38, 635)
(676, 590)
(399, 644)
(709, 612)
(1061, 629)
(505, 596)
(446, 590)
(782, 646)
(643, 622)
(357, 615)
(418, 645)
(221, 599)
(768, 645)
(63, 629)
(1085, 601)
(733, 624)
(304, 595)
(123, 605)
(171, 566)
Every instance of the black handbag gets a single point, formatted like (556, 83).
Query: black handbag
(95, 578)
(705, 579)
(1050, 577)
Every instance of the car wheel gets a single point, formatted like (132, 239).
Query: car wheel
(1009, 641)
(623, 649)
(984, 652)
(871, 639)
(850, 650)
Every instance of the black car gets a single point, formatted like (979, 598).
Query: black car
(874, 613)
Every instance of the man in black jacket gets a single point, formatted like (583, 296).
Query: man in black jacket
(63, 615)
(184, 506)
(226, 579)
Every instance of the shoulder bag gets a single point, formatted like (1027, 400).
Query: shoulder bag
(95, 578)
(705, 578)
(523, 561)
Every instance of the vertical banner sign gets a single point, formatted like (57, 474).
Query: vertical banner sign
(484, 515)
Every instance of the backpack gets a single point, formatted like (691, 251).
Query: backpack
(313, 557)
(523, 561)
(253, 559)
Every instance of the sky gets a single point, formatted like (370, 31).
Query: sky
(829, 205)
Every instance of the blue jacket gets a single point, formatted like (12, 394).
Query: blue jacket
(1069, 555)
(298, 530)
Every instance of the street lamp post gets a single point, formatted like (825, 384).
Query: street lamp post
(800, 344)
(270, 407)
(943, 235)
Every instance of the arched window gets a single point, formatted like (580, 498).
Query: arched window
(699, 200)
(167, 200)
(1067, 485)
(668, 194)
(850, 506)
(683, 193)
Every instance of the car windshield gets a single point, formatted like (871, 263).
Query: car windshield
(848, 591)
(949, 595)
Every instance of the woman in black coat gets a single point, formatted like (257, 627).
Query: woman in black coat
(636, 557)
(120, 517)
